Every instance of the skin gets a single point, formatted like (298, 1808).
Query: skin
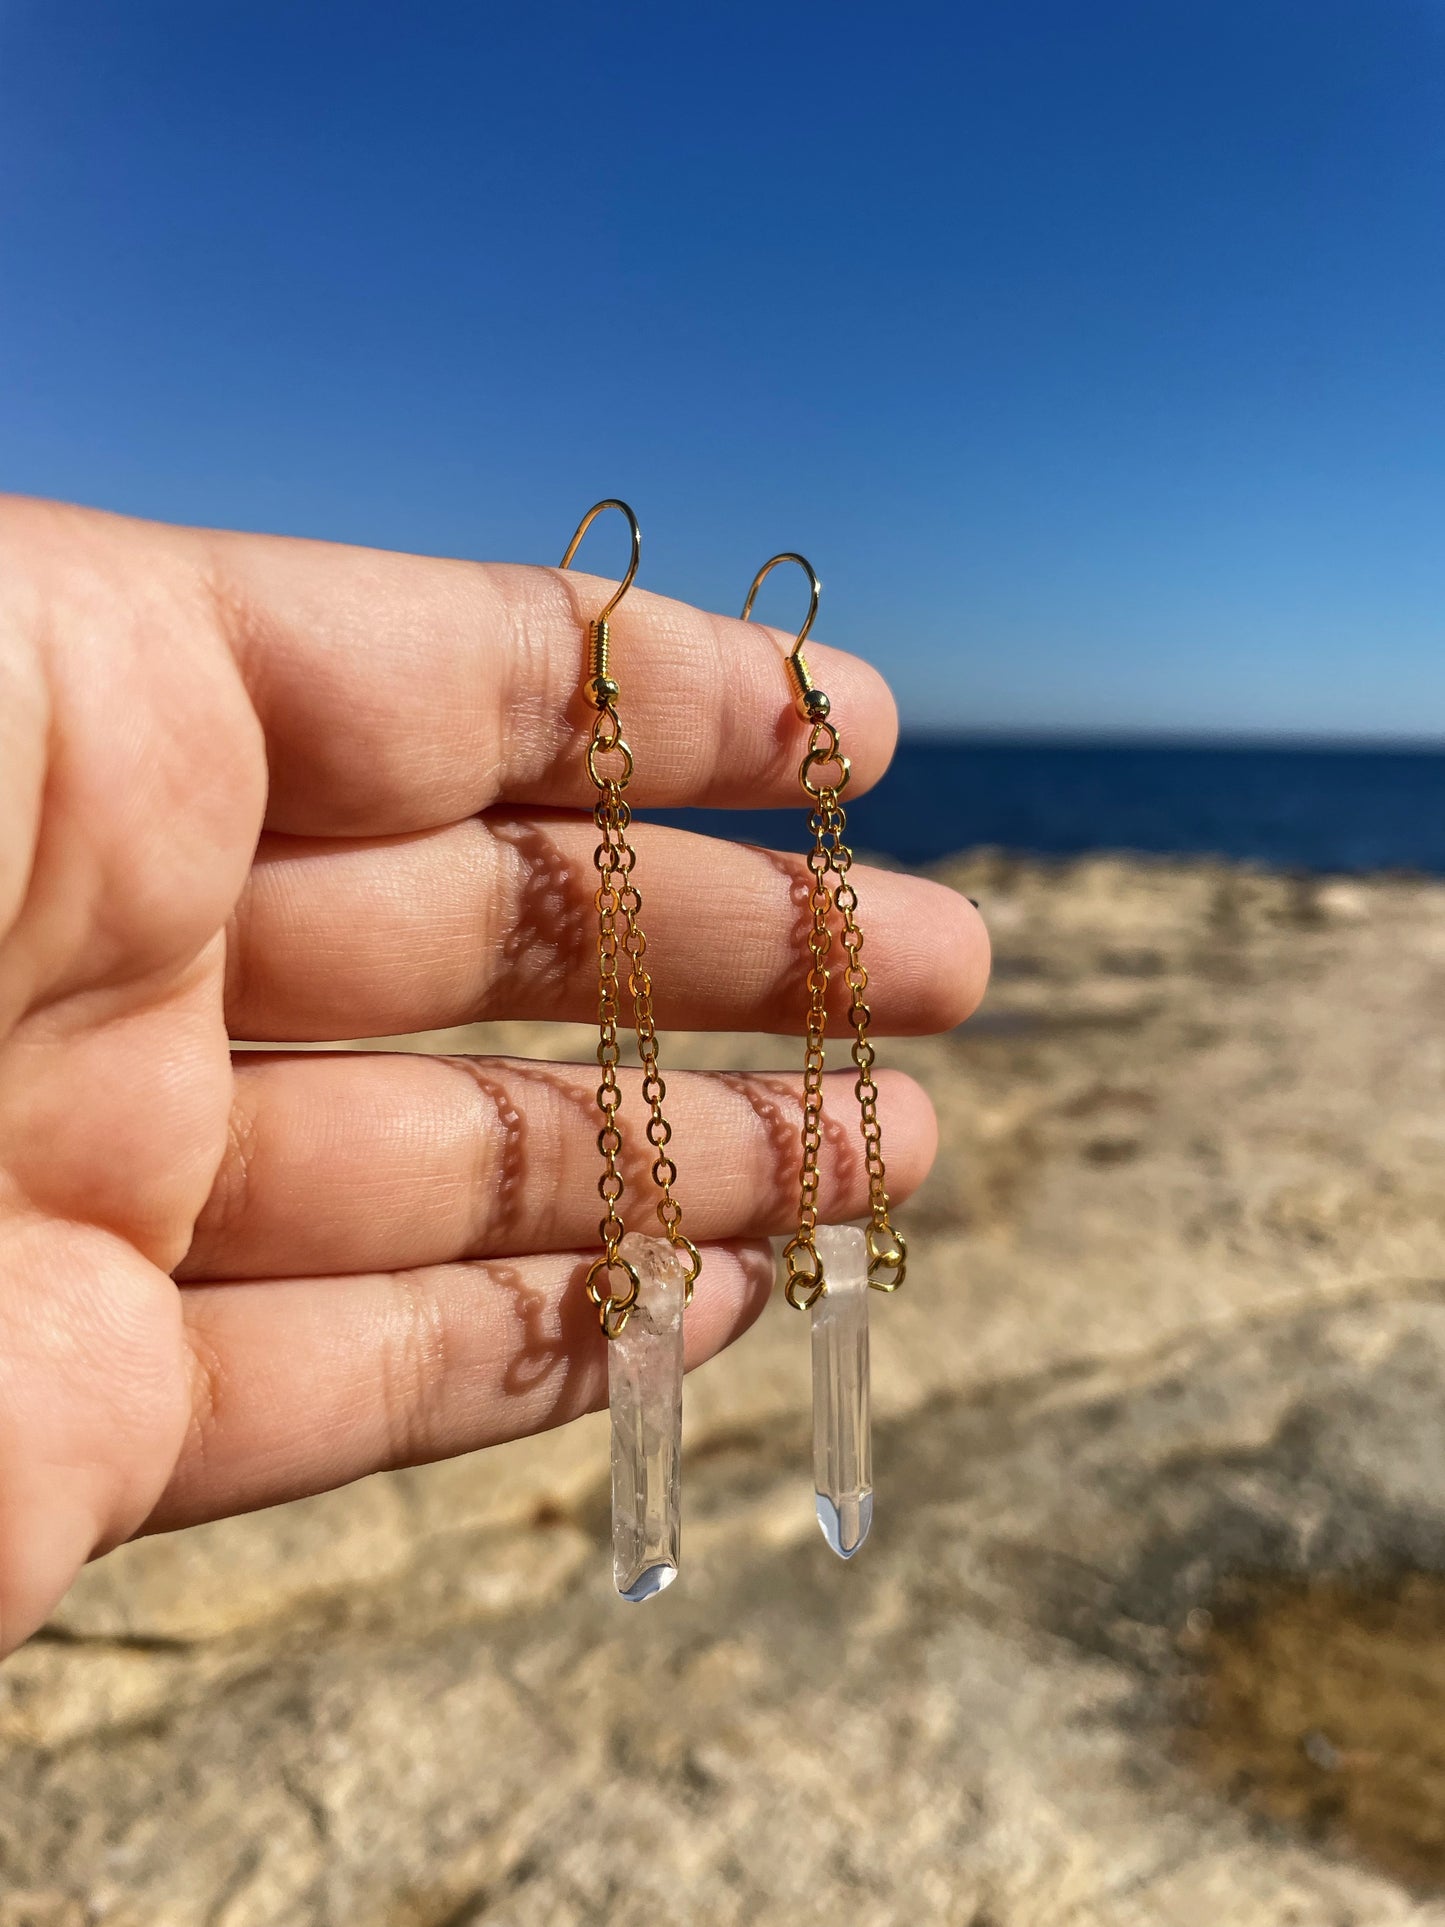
(287, 791)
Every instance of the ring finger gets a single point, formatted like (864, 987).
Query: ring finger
(352, 1163)
(495, 917)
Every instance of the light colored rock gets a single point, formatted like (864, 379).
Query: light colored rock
(1174, 1314)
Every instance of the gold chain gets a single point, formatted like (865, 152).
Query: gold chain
(830, 857)
(654, 1091)
(805, 1278)
(609, 764)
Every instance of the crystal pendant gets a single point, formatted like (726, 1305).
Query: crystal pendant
(644, 1384)
(842, 1446)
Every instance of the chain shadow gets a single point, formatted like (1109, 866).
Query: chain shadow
(795, 872)
(779, 1109)
(553, 1331)
(509, 1193)
(552, 937)
(557, 1334)
(561, 1345)
(634, 1159)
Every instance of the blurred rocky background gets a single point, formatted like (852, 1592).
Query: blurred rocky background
(1151, 1627)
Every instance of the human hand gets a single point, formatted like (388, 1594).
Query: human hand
(282, 790)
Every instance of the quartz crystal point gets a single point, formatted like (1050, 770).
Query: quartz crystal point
(842, 1445)
(644, 1384)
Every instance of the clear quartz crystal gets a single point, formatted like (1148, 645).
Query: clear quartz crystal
(644, 1384)
(842, 1445)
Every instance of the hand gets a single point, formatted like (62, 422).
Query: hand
(286, 791)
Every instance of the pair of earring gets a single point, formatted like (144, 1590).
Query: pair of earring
(642, 1285)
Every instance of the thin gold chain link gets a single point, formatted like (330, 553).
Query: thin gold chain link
(831, 858)
(654, 1090)
(619, 932)
(887, 1250)
(805, 1276)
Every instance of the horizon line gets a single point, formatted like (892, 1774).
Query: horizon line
(1060, 736)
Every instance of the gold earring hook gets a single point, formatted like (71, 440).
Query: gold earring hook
(601, 689)
(812, 703)
(582, 527)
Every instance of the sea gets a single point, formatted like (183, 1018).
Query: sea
(1302, 808)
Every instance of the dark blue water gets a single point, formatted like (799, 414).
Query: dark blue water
(1310, 809)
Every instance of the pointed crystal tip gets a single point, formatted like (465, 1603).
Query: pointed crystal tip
(648, 1584)
(845, 1531)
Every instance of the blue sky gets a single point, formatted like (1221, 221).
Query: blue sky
(1095, 353)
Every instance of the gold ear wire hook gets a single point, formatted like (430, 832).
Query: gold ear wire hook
(812, 703)
(601, 689)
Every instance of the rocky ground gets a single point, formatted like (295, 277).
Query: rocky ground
(1151, 1628)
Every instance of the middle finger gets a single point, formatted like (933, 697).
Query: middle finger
(358, 1163)
(495, 918)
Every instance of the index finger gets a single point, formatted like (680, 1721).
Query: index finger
(400, 692)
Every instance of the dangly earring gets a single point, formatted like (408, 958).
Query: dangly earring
(830, 1267)
(640, 1285)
